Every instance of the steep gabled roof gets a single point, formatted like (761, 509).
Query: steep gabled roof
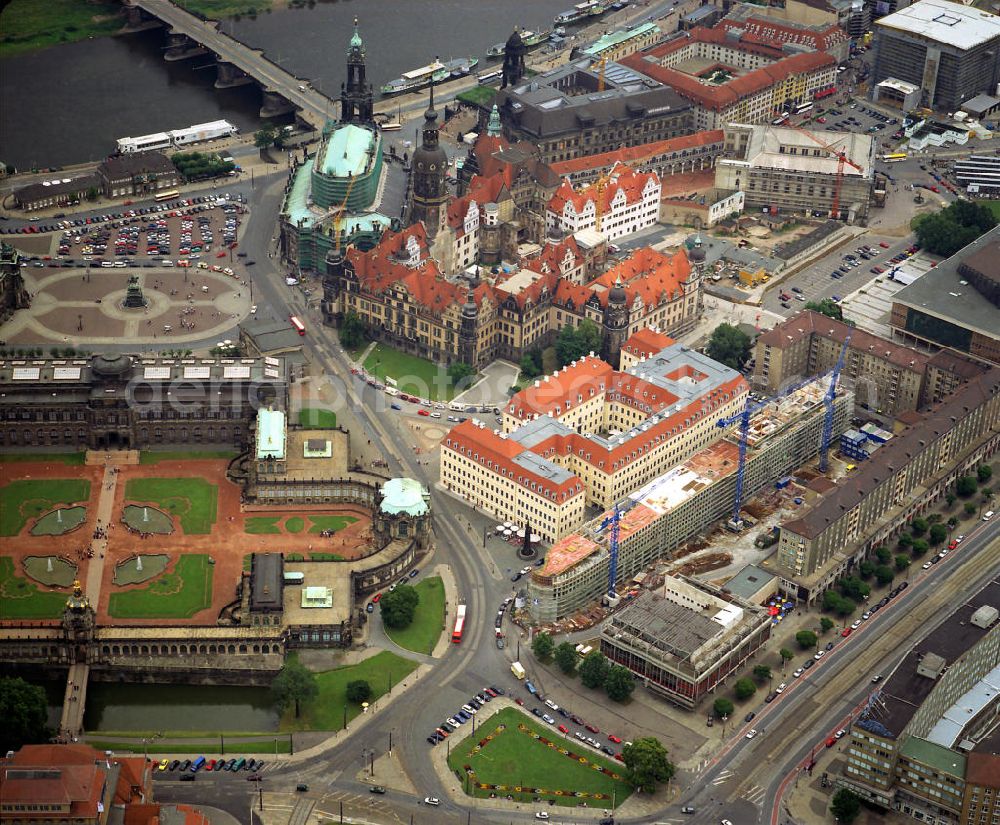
(635, 155)
(646, 274)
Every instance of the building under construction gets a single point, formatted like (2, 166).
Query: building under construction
(685, 637)
(797, 171)
(685, 502)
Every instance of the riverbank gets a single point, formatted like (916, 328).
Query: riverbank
(28, 25)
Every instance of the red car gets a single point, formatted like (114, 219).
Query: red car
(221, 255)
(563, 729)
(376, 597)
(520, 701)
(952, 544)
(593, 728)
(830, 742)
(423, 412)
(615, 739)
(846, 632)
(883, 244)
(619, 757)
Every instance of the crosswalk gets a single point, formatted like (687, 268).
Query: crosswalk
(755, 794)
(723, 777)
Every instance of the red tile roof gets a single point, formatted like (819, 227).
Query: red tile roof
(650, 275)
(726, 94)
(634, 155)
(567, 389)
(646, 342)
(624, 179)
(471, 441)
(553, 257)
(74, 775)
(771, 32)
(134, 777)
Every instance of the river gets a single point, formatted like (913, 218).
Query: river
(68, 104)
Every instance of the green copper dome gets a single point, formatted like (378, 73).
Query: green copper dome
(493, 127)
(356, 42)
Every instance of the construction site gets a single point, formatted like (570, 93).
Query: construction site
(682, 512)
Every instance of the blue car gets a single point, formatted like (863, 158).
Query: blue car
(396, 406)
(531, 688)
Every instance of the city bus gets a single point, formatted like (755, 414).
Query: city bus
(456, 635)
(829, 90)
(300, 328)
(802, 108)
(197, 764)
(780, 120)
(168, 196)
(893, 158)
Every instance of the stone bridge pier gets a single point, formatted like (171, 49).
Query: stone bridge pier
(181, 47)
(275, 104)
(230, 76)
(137, 19)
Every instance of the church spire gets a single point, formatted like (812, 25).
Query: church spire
(357, 44)
(431, 114)
(493, 127)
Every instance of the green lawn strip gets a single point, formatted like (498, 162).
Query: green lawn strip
(193, 500)
(332, 523)
(993, 206)
(480, 96)
(20, 598)
(326, 712)
(70, 459)
(29, 25)
(237, 748)
(428, 619)
(513, 759)
(179, 593)
(413, 375)
(220, 9)
(155, 457)
(295, 524)
(319, 418)
(294, 557)
(247, 562)
(262, 525)
(325, 557)
(27, 498)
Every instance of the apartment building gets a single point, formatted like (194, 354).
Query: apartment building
(731, 81)
(901, 480)
(685, 638)
(888, 378)
(981, 803)
(785, 169)
(621, 42)
(619, 204)
(683, 502)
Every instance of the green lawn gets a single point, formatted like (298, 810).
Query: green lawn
(24, 499)
(177, 594)
(332, 523)
(514, 759)
(71, 459)
(481, 96)
(20, 598)
(193, 500)
(155, 457)
(30, 24)
(413, 375)
(428, 620)
(325, 557)
(262, 525)
(993, 206)
(315, 417)
(237, 747)
(295, 524)
(326, 712)
(219, 9)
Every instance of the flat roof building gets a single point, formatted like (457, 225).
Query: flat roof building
(948, 49)
(684, 639)
(956, 305)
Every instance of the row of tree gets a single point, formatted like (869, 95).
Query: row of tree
(201, 165)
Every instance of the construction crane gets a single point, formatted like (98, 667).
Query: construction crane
(614, 520)
(337, 213)
(831, 393)
(743, 418)
(602, 64)
(842, 159)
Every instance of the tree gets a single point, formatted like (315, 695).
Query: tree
(866, 568)
(573, 343)
(786, 655)
(528, 367)
(938, 533)
(359, 691)
(826, 624)
(918, 525)
(854, 588)
(845, 607)
(295, 683)
(919, 547)
(460, 372)
(950, 498)
(646, 762)
(884, 574)
(729, 345)
(565, 655)
(806, 639)
(353, 331)
(619, 683)
(399, 606)
(264, 137)
(952, 522)
(902, 562)
(984, 472)
(883, 554)
(827, 307)
(24, 711)
(92, 193)
(905, 540)
(744, 688)
(966, 486)
(594, 669)
(970, 508)
(722, 707)
(845, 806)
(948, 230)
(831, 599)
(762, 672)
(542, 645)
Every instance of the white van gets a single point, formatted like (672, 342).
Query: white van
(550, 704)
(456, 407)
(987, 515)
(391, 391)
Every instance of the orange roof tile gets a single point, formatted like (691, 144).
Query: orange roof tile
(568, 388)
(646, 274)
(647, 341)
(626, 180)
(553, 257)
(634, 155)
(566, 553)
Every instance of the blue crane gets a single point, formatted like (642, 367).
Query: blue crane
(749, 410)
(831, 393)
(614, 520)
